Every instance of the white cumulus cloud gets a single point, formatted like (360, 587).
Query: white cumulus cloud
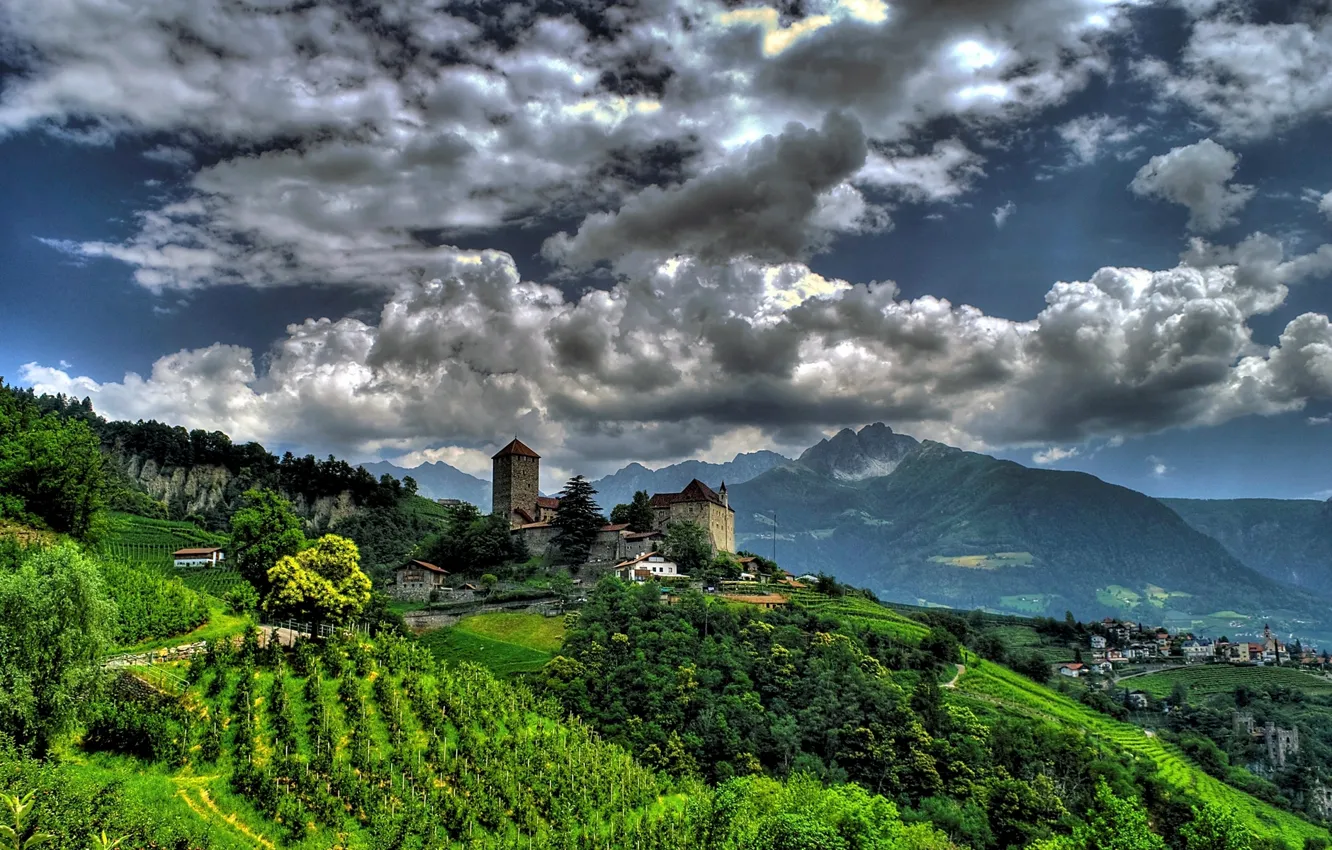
(1197, 177)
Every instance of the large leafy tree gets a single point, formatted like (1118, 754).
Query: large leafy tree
(263, 532)
(1215, 827)
(689, 545)
(637, 513)
(50, 467)
(322, 583)
(55, 623)
(577, 518)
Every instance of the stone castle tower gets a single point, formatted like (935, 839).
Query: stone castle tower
(515, 473)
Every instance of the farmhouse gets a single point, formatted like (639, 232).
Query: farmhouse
(1073, 670)
(206, 556)
(649, 565)
(416, 580)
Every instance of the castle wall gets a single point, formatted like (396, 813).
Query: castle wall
(719, 521)
(515, 479)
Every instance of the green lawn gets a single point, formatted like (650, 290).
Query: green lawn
(1206, 679)
(533, 631)
(1024, 640)
(504, 643)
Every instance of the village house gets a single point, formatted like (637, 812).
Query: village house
(1073, 669)
(1098, 642)
(416, 580)
(205, 556)
(1196, 650)
(1138, 701)
(649, 565)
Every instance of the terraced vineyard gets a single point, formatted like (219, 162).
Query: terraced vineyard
(1001, 687)
(377, 742)
(863, 613)
(1224, 678)
(130, 534)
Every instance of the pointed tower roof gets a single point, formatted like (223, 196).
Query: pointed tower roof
(515, 448)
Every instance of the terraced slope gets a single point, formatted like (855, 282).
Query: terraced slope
(1009, 691)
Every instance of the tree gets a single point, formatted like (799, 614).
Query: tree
(50, 467)
(1215, 828)
(563, 588)
(55, 623)
(578, 518)
(263, 532)
(409, 485)
(689, 545)
(641, 516)
(321, 583)
(1114, 823)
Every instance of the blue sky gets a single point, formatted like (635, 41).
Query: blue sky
(340, 231)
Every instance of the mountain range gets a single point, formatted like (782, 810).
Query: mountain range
(926, 523)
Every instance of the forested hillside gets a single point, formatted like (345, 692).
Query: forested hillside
(1286, 539)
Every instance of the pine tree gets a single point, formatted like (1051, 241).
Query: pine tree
(577, 518)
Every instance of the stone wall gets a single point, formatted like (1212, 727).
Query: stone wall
(719, 521)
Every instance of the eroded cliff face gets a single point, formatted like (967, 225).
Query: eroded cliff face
(206, 489)
(198, 489)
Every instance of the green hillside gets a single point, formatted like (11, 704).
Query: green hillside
(969, 531)
(1009, 692)
(1286, 539)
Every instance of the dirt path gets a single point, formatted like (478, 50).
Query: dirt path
(952, 683)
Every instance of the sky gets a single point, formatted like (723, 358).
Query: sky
(1080, 234)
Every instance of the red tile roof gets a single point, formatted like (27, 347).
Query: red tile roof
(694, 491)
(548, 502)
(516, 448)
(428, 566)
(186, 553)
(643, 557)
(615, 526)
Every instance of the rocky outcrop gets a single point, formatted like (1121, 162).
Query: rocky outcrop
(872, 452)
(191, 490)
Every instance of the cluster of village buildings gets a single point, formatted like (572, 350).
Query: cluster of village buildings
(1117, 643)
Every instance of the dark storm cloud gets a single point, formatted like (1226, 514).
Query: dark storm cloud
(761, 206)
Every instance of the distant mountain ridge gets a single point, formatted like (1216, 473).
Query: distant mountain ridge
(619, 487)
(439, 480)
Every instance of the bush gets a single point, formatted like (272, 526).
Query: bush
(242, 599)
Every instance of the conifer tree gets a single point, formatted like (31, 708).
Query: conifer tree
(577, 518)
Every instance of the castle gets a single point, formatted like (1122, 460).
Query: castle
(516, 473)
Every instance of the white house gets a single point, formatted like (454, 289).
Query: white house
(206, 556)
(1073, 670)
(1195, 649)
(646, 566)
(1098, 642)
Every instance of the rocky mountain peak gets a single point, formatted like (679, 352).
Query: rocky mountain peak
(848, 455)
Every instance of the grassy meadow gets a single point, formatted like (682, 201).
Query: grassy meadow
(504, 643)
